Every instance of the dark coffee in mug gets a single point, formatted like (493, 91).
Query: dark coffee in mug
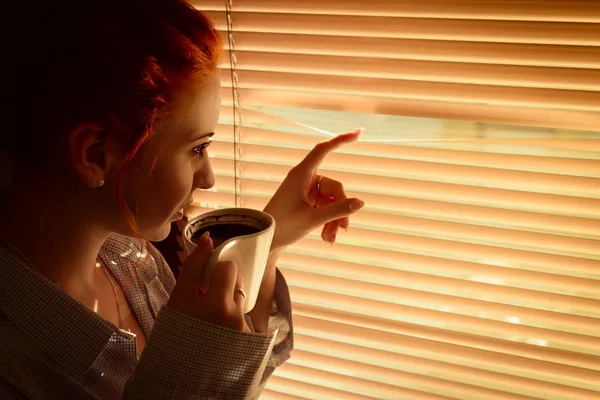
(224, 231)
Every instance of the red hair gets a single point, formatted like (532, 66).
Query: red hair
(116, 63)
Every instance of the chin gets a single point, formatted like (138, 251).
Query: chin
(157, 234)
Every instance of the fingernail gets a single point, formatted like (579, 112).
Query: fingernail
(359, 130)
(356, 205)
(333, 239)
(205, 237)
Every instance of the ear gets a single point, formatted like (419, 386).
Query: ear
(91, 155)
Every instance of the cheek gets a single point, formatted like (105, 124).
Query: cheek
(157, 194)
(174, 184)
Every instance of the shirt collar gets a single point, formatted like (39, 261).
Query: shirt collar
(49, 317)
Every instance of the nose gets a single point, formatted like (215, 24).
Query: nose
(205, 179)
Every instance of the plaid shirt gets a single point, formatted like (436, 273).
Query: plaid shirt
(52, 347)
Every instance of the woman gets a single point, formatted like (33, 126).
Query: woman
(112, 106)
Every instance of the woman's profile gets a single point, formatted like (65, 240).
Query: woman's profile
(112, 105)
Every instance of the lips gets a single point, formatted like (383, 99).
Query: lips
(179, 213)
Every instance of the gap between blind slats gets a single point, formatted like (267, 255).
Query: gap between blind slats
(552, 99)
(501, 176)
(560, 119)
(539, 55)
(391, 347)
(567, 33)
(436, 191)
(578, 145)
(573, 166)
(504, 346)
(445, 211)
(551, 11)
(310, 269)
(469, 383)
(432, 71)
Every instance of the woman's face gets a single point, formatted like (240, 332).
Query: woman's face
(174, 161)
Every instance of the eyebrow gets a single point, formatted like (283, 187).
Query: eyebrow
(206, 135)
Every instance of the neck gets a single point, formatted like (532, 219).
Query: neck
(55, 235)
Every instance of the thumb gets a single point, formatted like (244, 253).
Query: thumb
(337, 210)
(193, 268)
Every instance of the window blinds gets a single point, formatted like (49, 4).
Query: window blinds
(474, 270)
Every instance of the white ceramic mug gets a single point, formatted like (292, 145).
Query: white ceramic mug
(249, 252)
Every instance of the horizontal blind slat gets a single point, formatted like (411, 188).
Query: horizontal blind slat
(542, 55)
(431, 71)
(567, 33)
(552, 11)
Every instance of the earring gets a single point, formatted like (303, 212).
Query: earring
(98, 184)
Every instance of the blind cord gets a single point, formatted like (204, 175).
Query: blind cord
(237, 114)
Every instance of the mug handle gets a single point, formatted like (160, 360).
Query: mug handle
(213, 261)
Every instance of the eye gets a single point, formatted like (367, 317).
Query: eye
(201, 150)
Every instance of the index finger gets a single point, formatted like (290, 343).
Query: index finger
(318, 154)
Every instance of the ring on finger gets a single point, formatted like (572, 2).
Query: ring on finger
(240, 291)
(319, 179)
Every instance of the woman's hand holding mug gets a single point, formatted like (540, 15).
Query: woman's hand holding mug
(218, 299)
